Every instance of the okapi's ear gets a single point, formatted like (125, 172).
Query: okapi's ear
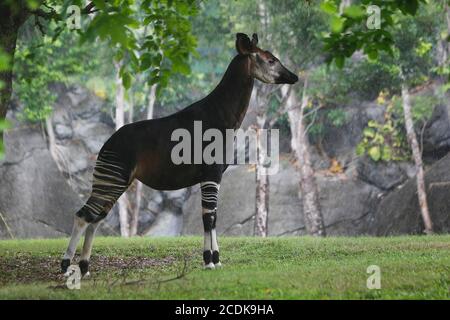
(243, 44)
(254, 40)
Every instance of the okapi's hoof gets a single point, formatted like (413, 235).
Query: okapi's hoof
(84, 267)
(65, 263)
(215, 256)
(209, 266)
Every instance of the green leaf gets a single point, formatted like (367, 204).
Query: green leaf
(146, 61)
(372, 124)
(409, 6)
(336, 24)
(4, 125)
(100, 4)
(360, 149)
(369, 132)
(126, 80)
(2, 150)
(379, 139)
(340, 60)
(387, 153)
(33, 4)
(373, 55)
(329, 7)
(375, 153)
(354, 11)
(4, 61)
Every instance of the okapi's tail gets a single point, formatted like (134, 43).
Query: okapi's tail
(112, 177)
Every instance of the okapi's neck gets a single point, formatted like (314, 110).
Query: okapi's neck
(232, 95)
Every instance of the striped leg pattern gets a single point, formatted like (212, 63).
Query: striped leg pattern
(111, 179)
(210, 192)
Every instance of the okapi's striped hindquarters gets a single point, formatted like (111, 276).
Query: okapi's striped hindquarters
(111, 178)
(142, 150)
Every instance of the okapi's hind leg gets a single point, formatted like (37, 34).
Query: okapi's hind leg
(210, 192)
(87, 248)
(79, 225)
(111, 179)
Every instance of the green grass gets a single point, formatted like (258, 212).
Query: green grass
(254, 268)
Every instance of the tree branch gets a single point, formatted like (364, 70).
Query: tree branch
(53, 15)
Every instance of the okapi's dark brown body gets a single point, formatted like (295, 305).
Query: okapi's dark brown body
(146, 145)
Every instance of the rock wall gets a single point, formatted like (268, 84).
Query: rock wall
(39, 194)
(35, 199)
(399, 212)
(38, 200)
(347, 204)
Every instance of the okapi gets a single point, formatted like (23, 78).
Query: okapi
(142, 150)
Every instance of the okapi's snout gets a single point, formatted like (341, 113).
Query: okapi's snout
(286, 76)
(264, 66)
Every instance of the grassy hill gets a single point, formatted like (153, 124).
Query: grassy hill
(254, 268)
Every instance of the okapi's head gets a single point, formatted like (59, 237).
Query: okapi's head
(264, 66)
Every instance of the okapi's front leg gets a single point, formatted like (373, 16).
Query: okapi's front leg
(210, 192)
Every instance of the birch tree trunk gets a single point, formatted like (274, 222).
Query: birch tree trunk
(446, 45)
(151, 102)
(120, 121)
(421, 190)
(259, 99)
(262, 184)
(130, 109)
(51, 138)
(443, 46)
(300, 144)
(135, 213)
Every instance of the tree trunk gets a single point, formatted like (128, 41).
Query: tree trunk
(135, 214)
(447, 18)
(8, 38)
(446, 43)
(130, 110)
(260, 100)
(262, 184)
(421, 190)
(300, 144)
(120, 121)
(134, 219)
(53, 148)
(12, 15)
(443, 46)
(151, 102)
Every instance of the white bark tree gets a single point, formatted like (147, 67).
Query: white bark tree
(261, 97)
(417, 156)
(300, 145)
(138, 196)
(262, 183)
(443, 46)
(120, 121)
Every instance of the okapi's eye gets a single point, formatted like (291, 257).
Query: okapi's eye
(271, 61)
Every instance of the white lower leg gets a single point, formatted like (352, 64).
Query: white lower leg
(215, 248)
(207, 250)
(87, 249)
(88, 239)
(79, 225)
